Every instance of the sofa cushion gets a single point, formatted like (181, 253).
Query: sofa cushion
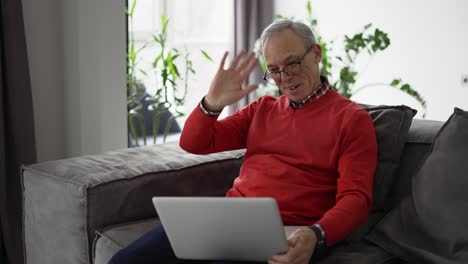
(110, 240)
(429, 226)
(391, 124)
(420, 138)
(360, 252)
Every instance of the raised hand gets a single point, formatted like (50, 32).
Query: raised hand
(227, 85)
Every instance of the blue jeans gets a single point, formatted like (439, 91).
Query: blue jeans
(153, 248)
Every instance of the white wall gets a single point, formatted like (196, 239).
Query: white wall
(77, 63)
(428, 47)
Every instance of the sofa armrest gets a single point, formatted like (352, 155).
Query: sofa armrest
(66, 201)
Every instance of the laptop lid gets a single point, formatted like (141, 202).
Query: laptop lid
(219, 228)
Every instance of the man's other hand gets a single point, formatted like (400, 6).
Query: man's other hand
(301, 247)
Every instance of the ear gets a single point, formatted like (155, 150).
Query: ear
(317, 50)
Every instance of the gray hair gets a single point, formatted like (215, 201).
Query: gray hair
(301, 29)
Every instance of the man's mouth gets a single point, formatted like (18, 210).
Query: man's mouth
(292, 87)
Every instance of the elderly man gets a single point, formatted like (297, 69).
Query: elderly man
(312, 150)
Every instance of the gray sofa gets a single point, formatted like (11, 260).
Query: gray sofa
(84, 209)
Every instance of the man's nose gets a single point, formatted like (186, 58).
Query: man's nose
(284, 76)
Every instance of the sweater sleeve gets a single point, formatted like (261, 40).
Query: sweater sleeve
(356, 168)
(203, 134)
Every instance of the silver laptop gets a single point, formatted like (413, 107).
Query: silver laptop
(219, 228)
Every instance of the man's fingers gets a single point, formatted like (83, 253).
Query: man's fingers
(245, 61)
(250, 89)
(292, 242)
(287, 257)
(223, 61)
(274, 262)
(237, 59)
(248, 68)
(279, 258)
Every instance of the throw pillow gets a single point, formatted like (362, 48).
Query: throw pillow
(391, 125)
(429, 226)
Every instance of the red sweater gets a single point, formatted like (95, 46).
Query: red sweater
(317, 161)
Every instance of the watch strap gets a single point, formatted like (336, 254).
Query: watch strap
(320, 246)
(205, 111)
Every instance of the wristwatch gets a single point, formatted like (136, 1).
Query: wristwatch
(320, 246)
(205, 111)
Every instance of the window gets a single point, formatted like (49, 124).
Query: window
(195, 25)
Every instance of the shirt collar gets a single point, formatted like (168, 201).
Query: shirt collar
(321, 90)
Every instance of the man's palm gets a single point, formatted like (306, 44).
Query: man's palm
(227, 87)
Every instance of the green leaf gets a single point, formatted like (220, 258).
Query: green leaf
(157, 39)
(174, 70)
(142, 47)
(132, 9)
(168, 126)
(347, 75)
(263, 63)
(155, 62)
(156, 119)
(395, 82)
(164, 75)
(143, 72)
(367, 26)
(132, 54)
(326, 65)
(142, 127)
(309, 8)
(171, 82)
(174, 57)
(168, 60)
(206, 55)
(164, 21)
(313, 23)
(406, 88)
(413, 93)
(133, 131)
(379, 40)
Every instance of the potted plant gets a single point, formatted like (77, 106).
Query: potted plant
(156, 113)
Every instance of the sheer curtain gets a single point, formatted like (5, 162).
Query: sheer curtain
(17, 143)
(250, 18)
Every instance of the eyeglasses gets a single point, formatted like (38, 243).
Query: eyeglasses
(290, 69)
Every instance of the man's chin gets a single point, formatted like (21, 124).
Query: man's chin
(292, 95)
(293, 98)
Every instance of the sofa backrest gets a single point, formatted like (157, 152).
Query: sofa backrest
(422, 133)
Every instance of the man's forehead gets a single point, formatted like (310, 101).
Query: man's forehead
(283, 46)
(281, 59)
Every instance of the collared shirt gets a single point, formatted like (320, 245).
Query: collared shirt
(323, 89)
